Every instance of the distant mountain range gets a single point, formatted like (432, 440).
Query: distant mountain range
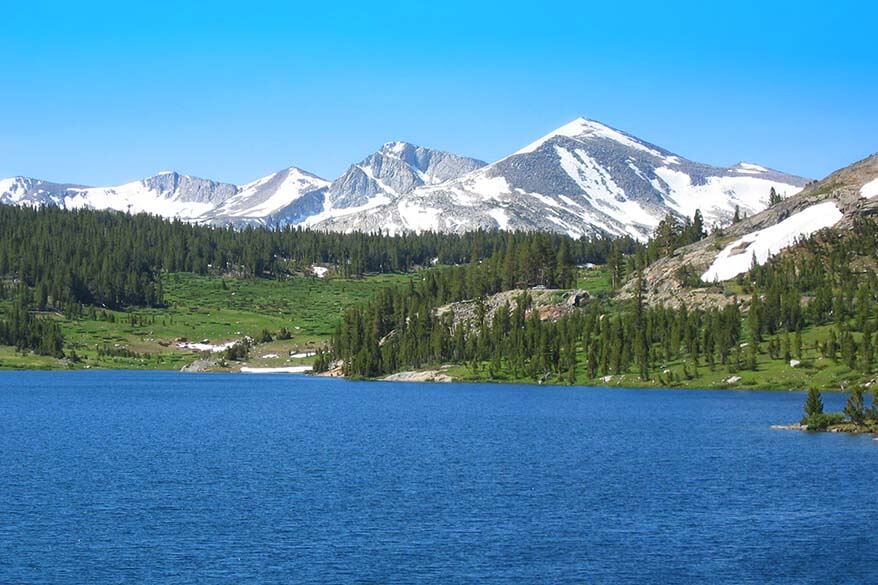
(583, 178)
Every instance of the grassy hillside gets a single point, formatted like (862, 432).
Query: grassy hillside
(208, 308)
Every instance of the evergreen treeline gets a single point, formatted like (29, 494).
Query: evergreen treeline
(670, 234)
(115, 260)
(27, 332)
(830, 279)
(400, 330)
(55, 260)
(855, 417)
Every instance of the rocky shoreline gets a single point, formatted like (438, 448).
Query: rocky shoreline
(419, 376)
(842, 428)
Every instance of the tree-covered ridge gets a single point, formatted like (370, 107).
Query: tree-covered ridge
(114, 259)
(27, 332)
(401, 330)
(63, 261)
(826, 287)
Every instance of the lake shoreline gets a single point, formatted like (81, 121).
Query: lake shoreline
(847, 428)
(439, 375)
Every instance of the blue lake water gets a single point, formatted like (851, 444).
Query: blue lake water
(142, 477)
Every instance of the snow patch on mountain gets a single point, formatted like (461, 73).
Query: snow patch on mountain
(603, 192)
(157, 198)
(331, 213)
(419, 219)
(718, 196)
(749, 168)
(501, 217)
(737, 257)
(870, 189)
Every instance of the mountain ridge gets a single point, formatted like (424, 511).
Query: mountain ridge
(583, 178)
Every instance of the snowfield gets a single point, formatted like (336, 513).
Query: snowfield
(213, 348)
(737, 257)
(870, 189)
(749, 193)
(137, 197)
(284, 370)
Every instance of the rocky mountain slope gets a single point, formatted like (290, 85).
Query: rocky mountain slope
(583, 178)
(833, 202)
(287, 197)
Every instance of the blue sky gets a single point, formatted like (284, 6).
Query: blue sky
(102, 93)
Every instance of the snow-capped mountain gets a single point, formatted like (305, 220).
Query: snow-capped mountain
(583, 178)
(287, 197)
(168, 194)
(398, 168)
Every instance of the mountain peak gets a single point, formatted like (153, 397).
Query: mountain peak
(584, 129)
(396, 148)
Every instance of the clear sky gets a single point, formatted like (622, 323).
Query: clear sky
(102, 93)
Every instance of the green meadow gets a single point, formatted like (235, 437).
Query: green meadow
(211, 309)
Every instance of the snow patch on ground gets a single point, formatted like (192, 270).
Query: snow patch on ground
(203, 346)
(573, 233)
(737, 257)
(303, 354)
(870, 189)
(319, 271)
(284, 370)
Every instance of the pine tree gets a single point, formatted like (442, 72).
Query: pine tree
(855, 409)
(773, 197)
(565, 273)
(813, 403)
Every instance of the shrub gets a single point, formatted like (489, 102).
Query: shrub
(822, 421)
